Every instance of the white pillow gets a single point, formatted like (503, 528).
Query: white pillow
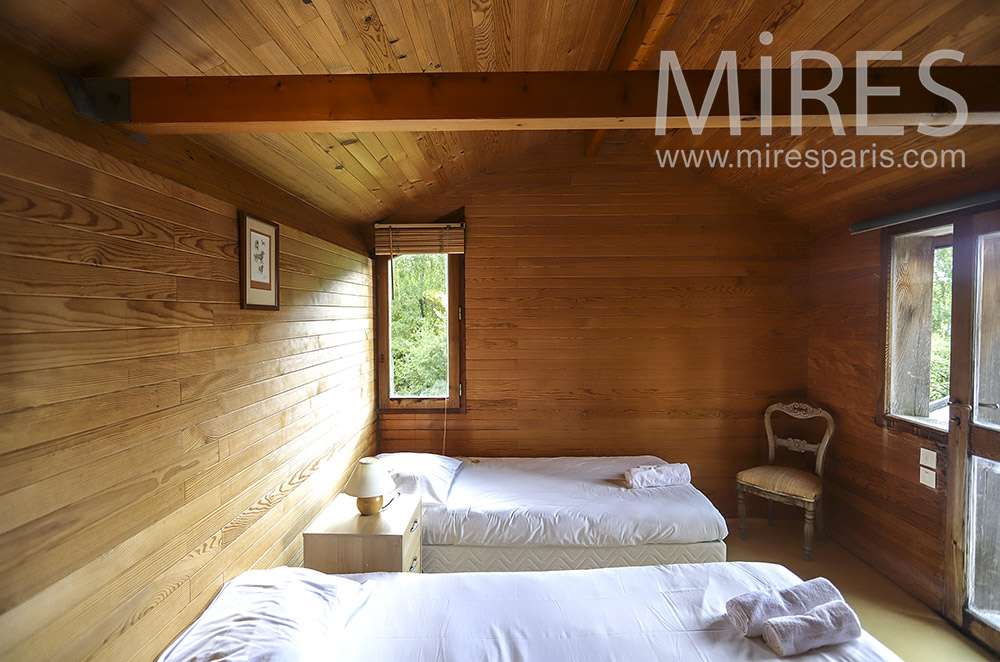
(279, 615)
(426, 474)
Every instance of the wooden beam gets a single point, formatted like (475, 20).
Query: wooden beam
(647, 27)
(522, 100)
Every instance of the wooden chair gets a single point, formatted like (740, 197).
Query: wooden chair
(785, 484)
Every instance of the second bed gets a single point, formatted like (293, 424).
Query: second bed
(507, 514)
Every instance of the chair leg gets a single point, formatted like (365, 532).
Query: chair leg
(770, 513)
(741, 507)
(810, 516)
(820, 526)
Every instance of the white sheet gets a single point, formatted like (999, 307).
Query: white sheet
(663, 613)
(580, 501)
(279, 615)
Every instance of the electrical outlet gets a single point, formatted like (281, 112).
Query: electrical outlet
(928, 477)
(928, 458)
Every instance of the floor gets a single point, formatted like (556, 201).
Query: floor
(893, 616)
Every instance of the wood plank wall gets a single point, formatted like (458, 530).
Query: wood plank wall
(155, 439)
(31, 90)
(877, 507)
(615, 309)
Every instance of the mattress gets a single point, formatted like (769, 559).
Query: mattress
(461, 558)
(669, 613)
(575, 501)
(665, 613)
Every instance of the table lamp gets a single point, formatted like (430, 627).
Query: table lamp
(368, 483)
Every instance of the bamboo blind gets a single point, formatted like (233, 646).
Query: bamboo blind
(412, 238)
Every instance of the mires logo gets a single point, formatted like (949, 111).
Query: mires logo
(792, 83)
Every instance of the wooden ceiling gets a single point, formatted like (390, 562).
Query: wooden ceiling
(355, 177)
(360, 177)
(842, 27)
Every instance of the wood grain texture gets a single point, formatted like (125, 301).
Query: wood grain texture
(462, 101)
(351, 176)
(363, 177)
(155, 439)
(910, 329)
(876, 506)
(659, 316)
(842, 195)
(647, 27)
(198, 183)
(340, 540)
(702, 326)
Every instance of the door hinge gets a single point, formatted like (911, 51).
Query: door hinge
(460, 389)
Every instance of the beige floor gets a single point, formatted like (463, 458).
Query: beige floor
(893, 616)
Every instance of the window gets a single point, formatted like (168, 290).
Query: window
(419, 271)
(919, 326)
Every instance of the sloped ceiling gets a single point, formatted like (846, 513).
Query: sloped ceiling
(359, 177)
(354, 177)
(842, 195)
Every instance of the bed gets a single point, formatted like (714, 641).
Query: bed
(663, 613)
(506, 514)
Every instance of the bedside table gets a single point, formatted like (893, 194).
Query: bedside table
(342, 540)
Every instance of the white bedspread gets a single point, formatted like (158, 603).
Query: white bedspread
(567, 501)
(663, 613)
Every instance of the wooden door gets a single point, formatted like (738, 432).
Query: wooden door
(973, 559)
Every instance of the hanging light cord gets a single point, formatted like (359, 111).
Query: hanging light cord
(444, 434)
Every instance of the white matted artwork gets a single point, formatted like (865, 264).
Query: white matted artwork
(258, 263)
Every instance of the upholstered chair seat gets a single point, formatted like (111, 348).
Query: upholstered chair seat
(783, 480)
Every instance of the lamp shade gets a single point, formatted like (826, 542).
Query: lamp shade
(370, 479)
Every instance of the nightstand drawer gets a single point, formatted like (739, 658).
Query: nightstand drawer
(341, 540)
(411, 548)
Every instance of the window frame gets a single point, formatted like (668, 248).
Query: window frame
(454, 403)
(884, 418)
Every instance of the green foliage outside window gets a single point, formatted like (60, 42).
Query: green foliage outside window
(941, 324)
(418, 326)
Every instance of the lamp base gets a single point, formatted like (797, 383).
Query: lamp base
(370, 505)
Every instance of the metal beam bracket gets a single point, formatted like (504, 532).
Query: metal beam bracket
(103, 99)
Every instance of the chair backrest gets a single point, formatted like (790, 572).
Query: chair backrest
(802, 411)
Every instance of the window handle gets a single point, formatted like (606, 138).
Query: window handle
(990, 405)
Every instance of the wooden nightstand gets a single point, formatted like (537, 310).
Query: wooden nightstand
(342, 540)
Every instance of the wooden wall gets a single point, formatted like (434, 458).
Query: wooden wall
(877, 507)
(155, 439)
(612, 308)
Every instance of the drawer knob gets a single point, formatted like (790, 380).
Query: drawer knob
(413, 565)
(413, 527)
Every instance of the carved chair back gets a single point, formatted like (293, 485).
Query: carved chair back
(798, 410)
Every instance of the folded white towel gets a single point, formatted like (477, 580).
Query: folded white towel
(657, 475)
(749, 611)
(832, 623)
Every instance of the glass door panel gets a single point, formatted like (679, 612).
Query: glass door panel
(984, 541)
(986, 408)
(982, 525)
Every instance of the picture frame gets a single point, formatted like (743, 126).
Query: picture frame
(259, 266)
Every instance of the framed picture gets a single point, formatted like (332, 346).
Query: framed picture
(258, 263)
